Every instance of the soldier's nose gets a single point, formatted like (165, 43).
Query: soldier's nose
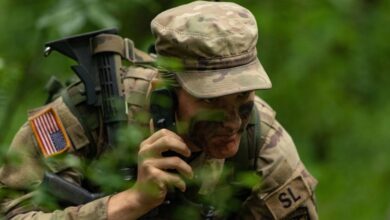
(232, 122)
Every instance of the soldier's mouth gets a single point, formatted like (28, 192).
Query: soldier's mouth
(223, 146)
(226, 137)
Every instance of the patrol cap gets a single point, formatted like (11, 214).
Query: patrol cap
(216, 44)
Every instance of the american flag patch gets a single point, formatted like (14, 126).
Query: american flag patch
(49, 132)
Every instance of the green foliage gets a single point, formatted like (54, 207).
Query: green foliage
(170, 63)
(69, 17)
(327, 60)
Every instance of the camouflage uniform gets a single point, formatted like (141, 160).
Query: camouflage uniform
(216, 43)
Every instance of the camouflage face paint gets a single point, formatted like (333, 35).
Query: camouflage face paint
(208, 130)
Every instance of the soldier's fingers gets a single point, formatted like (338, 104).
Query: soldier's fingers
(161, 133)
(174, 180)
(176, 163)
(163, 144)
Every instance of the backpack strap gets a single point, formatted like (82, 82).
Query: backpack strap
(74, 97)
(138, 85)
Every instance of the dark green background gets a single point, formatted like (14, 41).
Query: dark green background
(328, 61)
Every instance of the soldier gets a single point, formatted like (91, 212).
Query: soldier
(216, 44)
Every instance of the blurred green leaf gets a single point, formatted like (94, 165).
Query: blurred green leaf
(170, 63)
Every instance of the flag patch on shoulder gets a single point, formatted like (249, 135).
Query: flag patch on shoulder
(49, 132)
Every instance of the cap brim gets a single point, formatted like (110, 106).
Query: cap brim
(215, 83)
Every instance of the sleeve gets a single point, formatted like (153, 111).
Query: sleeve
(22, 173)
(287, 188)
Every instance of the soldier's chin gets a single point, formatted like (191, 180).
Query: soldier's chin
(222, 151)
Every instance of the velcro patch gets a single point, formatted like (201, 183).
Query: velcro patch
(288, 198)
(49, 132)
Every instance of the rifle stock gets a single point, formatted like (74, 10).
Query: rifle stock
(66, 191)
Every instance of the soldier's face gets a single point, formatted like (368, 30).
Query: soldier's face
(214, 125)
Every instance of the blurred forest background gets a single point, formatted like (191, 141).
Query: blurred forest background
(328, 61)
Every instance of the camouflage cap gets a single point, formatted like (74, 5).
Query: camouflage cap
(216, 43)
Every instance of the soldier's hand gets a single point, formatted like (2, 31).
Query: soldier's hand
(153, 180)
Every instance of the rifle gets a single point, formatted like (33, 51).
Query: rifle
(99, 56)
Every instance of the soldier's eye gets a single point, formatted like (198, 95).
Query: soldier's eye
(246, 109)
(245, 93)
(209, 101)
